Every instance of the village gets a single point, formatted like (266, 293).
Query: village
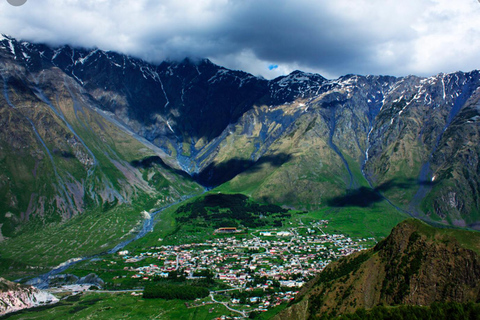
(266, 259)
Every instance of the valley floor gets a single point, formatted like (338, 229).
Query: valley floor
(254, 272)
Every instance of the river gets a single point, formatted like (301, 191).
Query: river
(41, 281)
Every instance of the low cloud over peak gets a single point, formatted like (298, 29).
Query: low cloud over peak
(267, 38)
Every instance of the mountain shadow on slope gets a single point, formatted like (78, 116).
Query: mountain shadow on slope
(365, 197)
(362, 197)
(150, 162)
(216, 174)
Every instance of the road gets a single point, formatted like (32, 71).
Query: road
(227, 306)
(295, 236)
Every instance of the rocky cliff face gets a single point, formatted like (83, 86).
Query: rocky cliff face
(15, 297)
(299, 140)
(423, 143)
(415, 265)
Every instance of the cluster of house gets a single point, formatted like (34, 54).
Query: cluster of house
(287, 258)
(290, 256)
(268, 301)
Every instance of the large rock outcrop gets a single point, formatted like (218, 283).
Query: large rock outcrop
(15, 297)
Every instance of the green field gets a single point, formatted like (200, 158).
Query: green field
(84, 235)
(121, 306)
(376, 221)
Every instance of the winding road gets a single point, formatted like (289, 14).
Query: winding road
(227, 306)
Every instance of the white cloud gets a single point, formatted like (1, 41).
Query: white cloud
(329, 37)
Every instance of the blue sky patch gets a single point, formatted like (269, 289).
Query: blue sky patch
(273, 66)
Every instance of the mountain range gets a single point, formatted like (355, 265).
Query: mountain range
(87, 130)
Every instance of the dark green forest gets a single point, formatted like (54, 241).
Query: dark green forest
(170, 292)
(231, 210)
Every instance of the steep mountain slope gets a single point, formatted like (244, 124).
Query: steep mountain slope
(415, 265)
(179, 106)
(325, 141)
(60, 156)
(425, 142)
(358, 126)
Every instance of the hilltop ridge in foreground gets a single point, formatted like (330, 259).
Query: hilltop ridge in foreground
(415, 265)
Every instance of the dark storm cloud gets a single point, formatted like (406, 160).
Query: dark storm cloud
(329, 37)
(309, 35)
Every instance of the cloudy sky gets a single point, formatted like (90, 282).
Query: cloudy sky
(266, 37)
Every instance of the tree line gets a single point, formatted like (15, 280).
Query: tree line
(170, 292)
